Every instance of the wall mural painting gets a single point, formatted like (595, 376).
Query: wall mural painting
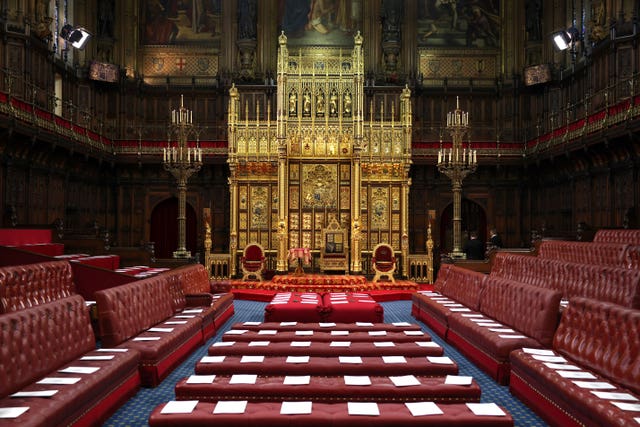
(320, 22)
(459, 23)
(182, 22)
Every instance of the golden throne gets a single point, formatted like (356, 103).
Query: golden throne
(334, 253)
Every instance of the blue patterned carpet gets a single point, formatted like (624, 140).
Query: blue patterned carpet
(136, 411)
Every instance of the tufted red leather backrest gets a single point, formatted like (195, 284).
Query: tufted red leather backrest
(126, 310)
(193, 278)
(465, 286)
(441, 280)
(529, 309)
(604, 337)
(609, 254)
(24, 286)
(38, 340)
(613, 284)
(628, 236)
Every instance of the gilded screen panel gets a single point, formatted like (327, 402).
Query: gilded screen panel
(242, 196)
(345, 172)
(243, 224)
(294, 172)
(253, 236)
(294, 197)
(242, 239)
(345, 197)
(259, 207)
(319, 186)
(294, 221)
(395, 198)
(379, 209)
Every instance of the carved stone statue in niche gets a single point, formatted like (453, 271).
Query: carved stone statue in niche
(293, 104)
(346, 107)
(306, 104)
(320, 104)
(333, 104)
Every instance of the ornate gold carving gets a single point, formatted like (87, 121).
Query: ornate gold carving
(242, 198)
(259, 207)
(319, 186)
(380, 208)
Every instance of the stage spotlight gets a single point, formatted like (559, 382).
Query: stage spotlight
(566, 38)
(77, 36)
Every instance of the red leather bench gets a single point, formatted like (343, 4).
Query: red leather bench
(24, 286)
(38, 342)
(617, 285)
(328, 366)
(191, 288)
(267, 414)
(128, 314)
(323, 349)
(328, 389)
(599, 339)
(459, 292)
(524, 316)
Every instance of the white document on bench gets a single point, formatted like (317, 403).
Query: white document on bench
(78, 370)
(224, 344)
(212, 359)
(538, 351)
(363, 408)
(429, 344)
(420, 409)
(614, 396)
(339, 332)
(146, 339)
(230, 407)
(243, 379)
(42, 393)
(297, 359)
(357, 380)
(114, 350)
(595, 385)
(295, 408)
(383, 344)
(404, 381)
(179, 407)
(340, 344)
(627, 406)
(251, 359)
(108, 357)
(160, 329)
(201, 379)
(350, 359)
(13, 411)
(59, 380)
(458, 379)
(577, 375)
(297, 380)
(440, 360)
(394, 359)
(300, 344)
(486, 409)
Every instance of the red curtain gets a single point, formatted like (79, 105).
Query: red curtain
(164, 228)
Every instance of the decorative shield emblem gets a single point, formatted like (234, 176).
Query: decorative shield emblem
(158, 64)
(203, 63)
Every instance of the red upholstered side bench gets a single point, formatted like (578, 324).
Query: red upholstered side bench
(267, 414)
(40, 344)
(328, 389)
(329, 366)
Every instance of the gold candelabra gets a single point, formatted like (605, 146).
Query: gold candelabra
(457, 163)
(182, 161)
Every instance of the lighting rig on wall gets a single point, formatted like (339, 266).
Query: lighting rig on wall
(76, 36)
